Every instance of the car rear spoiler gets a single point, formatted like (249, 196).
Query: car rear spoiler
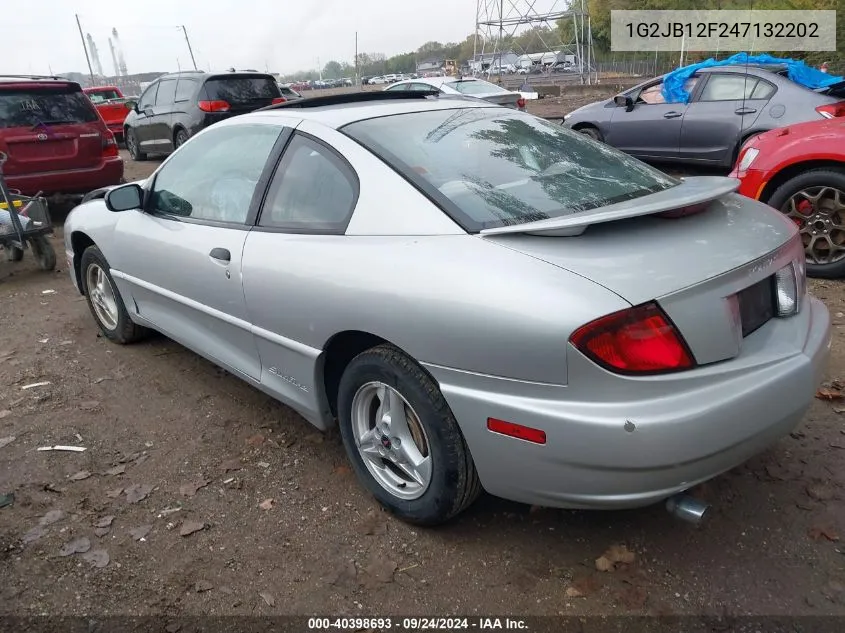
(690, 192)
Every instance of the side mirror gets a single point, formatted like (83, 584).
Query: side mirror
(124, 198)
(624, 101)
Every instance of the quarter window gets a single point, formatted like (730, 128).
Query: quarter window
(214, 176)
(313, 191)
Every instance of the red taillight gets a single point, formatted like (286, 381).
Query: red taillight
(520, 103)
(516, 430)
(110, 145)
(639, 340)
(214, 106)
(279, 100)
(832, 110)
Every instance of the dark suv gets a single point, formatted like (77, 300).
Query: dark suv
(178, 105)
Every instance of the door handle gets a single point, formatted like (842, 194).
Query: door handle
(220, 254)
(745, 110)
(672, 115)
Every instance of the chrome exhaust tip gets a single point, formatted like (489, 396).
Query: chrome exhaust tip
(687, 508)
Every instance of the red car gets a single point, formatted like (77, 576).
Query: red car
(53, 137)
(112, 105)
(800, 170)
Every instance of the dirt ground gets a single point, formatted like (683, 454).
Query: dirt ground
(168, 510)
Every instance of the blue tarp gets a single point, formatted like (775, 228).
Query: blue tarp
(797, 71)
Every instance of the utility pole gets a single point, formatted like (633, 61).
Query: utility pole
(357, 75)
(190, 50)
(85, 48)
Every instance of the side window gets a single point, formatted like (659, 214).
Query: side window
(313, 190)
(422, 88)
(148, 98)
(166, 92)
(185, 89)
(399, 88)
(214, 176)
(763, 90)
(728, 88)
(652, 95)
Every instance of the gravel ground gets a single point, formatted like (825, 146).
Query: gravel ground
(199, 495)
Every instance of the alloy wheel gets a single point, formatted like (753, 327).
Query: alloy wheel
(391, 440)
(102, 296)
(819, 213)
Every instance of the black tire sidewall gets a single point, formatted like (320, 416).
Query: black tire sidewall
(93, 255)
(134, 148)
(591, 132)
(44, 252)
(812, 178)
(180, 138)
(440, 500)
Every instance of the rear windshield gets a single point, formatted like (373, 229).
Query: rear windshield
(103, 95)
(28, 107)
(242, 89)
(488, 168)
(475, 87)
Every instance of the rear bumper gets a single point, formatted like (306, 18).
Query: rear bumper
(108, 172)
(685, 434)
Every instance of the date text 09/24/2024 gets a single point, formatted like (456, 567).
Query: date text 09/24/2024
(416, 624)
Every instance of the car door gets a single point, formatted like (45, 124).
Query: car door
(308, 206)
(146, 102)
(652, 128)
(180, 258)
(724, 108)
(158, 123)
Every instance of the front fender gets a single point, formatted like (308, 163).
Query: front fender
(89, 223)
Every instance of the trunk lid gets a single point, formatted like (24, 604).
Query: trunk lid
(700, 268)
(50, 126)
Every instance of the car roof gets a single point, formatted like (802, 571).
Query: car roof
(337, 115)
(751, 68)
(201, 74)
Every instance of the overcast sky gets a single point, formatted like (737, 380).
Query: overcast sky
(282, 35)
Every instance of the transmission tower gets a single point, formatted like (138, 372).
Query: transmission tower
(529, 31)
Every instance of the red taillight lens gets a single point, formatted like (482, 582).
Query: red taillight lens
(832, 110)
(214, 106)
(518, 431)
(110, 145)
(520, 103)
(639, 340)
(279, 100)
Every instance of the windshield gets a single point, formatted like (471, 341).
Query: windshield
(474, 87)
(488, 168)
(103, 95)
(29, 107)
(242, 89)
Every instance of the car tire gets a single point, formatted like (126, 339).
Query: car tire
(13, 253)
(132, 145)
(833, 178)
(592, 132)
(119, 327)
(180, 138)
(44, 252)
(452, 483)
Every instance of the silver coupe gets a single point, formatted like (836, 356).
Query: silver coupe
(479, 298)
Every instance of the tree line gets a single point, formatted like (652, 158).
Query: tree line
(539, 39)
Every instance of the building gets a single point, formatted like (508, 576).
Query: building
(483, 61)
(430, 65)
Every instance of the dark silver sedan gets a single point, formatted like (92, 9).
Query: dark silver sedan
(727, 106)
